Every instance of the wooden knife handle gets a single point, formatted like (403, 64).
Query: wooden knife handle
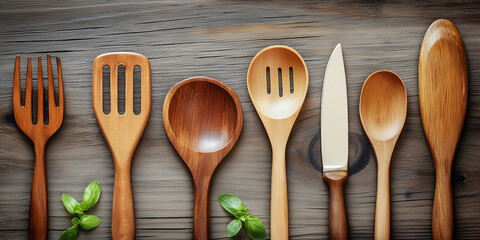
(279, 197)
(382, 211)
(442, 215)
(338, 215)
(38, 221)
(123, 219)
(201, 208)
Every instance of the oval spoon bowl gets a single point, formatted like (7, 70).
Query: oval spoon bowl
(279, 93)
(383, 105)
(190, 115)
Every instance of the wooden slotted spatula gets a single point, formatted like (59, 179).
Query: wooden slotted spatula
(122, 132)
(442, 91)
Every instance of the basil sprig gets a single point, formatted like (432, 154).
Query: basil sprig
(87, 222)
(253, 225)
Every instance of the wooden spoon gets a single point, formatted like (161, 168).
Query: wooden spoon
(203, 119)
(442, 91)
(383, 109)
(277, 82)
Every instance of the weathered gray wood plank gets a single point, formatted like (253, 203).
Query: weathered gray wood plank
(218, 39)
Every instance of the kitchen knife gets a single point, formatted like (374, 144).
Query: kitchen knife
(334, 135)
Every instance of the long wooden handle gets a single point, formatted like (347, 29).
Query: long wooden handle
(338, 214)
(123, 219)
(201, 208)
(442, 218)
(279, 199)
(382, 211)
(38, 222)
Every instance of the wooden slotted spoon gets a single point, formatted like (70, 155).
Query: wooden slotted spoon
(122, 132)
(277, 82)
(442, 91)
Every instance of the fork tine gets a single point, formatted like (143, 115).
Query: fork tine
(51, 89)
(28, 88)
(16, 86)
(40, 93)
(60, 85)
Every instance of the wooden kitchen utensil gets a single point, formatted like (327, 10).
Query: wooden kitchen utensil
(39, 133)
(334, 137)
(122, 131)
(442, 90)
(203, 119)
(383, 109)
(277, 82)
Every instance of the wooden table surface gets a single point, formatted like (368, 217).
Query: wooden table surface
(218, 39)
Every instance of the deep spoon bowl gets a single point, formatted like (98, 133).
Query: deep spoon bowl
(383, 109)
(203, 115)
(203, 119)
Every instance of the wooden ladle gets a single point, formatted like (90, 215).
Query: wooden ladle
(203, 119)
(383, 109)
(442, 92)
(277, 82)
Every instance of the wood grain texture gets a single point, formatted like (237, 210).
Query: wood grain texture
(277, 82)
(338, 214)
(383, 110)
(122, 132)
(443, 91)
(218, 39)
(203, 119)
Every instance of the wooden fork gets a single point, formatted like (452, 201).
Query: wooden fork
(122, 131)
(39, 133)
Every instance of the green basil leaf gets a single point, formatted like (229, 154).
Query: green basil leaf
(89, 221)
(70, 203)
(255, 228)
(70, 234)
(234, 227)
(91, 195)
(75, 221)
(231, 203)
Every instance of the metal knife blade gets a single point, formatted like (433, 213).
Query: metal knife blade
(334, 114)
